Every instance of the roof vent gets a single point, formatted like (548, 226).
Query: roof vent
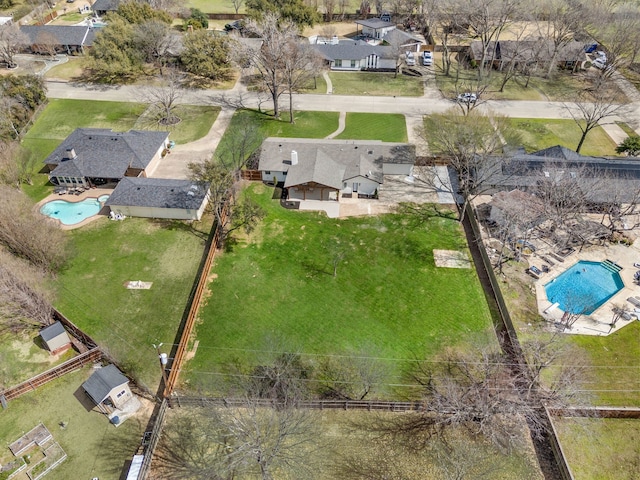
(191, 194)
(193, 187)
(370, 152)
(69, 154)
(294, 157)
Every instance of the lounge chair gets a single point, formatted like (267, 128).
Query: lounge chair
(535, 270)
(634, 301)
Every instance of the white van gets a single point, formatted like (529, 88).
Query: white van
(427, 58)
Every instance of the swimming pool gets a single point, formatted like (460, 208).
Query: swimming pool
(584, 287)
(71, 213)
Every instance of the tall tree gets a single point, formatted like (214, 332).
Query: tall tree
(592, 109)
(156, 40)
(301, 64)
(295, 11)
(11, 40)
(270, 59)
(206, 55)
(139, 12)
(115, 56)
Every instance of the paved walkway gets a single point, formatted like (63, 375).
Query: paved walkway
(327, 79)
(341, 125)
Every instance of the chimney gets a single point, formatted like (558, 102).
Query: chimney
(294, 157)
(69, 154)
(334, 40)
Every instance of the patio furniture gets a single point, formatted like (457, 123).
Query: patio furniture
(635, 301)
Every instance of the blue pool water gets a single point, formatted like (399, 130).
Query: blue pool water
(70, 213)
(584, 287)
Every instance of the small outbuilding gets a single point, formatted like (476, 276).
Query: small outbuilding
(55, 338)
(108, 388)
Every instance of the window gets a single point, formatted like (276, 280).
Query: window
(353, 64)
(267, 172)
(338, 63)
(123, 392)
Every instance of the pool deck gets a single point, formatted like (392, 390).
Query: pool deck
(598, 322)
(72, 198)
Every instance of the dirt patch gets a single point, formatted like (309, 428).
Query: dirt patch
(342, 29)
(451, 259)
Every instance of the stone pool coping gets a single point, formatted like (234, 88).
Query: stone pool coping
(71, 198)
(598, 322)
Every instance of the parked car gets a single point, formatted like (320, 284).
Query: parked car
(467, 97)
(409, 58)
(600, 63)
(427, 58)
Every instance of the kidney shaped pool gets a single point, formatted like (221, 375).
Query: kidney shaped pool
(71, 213)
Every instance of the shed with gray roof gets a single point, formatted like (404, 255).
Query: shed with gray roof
(159, 198)
(55, 338)
(100, 7)
(108, 387)
(95, 156)
(313, 169)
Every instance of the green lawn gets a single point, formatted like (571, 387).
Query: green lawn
(95, 448)
(370, 83)
(196, 123)
(615, 365)
(537, 134)
(91, 292)
(561, 87)
(601, 448)
(388, 298)
(390, 127)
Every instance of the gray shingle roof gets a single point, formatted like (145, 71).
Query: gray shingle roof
(374, 23)
(52, 331)
(322, 161)
(354, 50)
(105, 153)
(102, 382)
(158, 193)
(400, 37)
(68, 35)
(105, 5)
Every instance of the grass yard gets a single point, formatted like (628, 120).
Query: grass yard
(196, 123)
(91, 292)
(627, 129)
(537, 134)
(601, 448)
(225, 6)
(70, 70)
(24, 356)
(561, 87)
(391, 127)
(388, 299)
(95, 448)
(383, 84)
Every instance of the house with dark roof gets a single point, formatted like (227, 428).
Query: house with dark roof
(100, 7)
(56, 338)
(358, 55)
(108, 388)
(312, 169)
(159, 198)
(599, 179)
(59, 38)
(375, 27)
(526, 52)
(97, 156)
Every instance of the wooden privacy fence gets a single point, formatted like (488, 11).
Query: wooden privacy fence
(565, 470)
(178, 358)
(370, 405)
(153, 441)
(69, 366)
(252, 175)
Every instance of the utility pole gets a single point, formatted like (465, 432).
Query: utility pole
(163, 362)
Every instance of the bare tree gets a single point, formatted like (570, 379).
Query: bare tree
(471, 144)
(27, 234)
(11, 40)
(329, 9)
(301, 64)
(164, 101)
(591, 110)
(352, 376)
(24, 300)
(237, 5)
(46, 43)
(269, 59)
(156, 40)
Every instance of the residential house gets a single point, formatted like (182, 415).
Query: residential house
(100, 7)
(312, 169)
(516, 204)
(358, 55)
(108, 388)
(599, 179)
(525, 52)
(159, 198)
(95, 156)
(55, 338)
(58, 38)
